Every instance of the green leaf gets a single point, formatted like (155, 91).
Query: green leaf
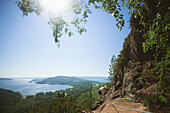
(168, 94)
(66, 30)
(163, 99)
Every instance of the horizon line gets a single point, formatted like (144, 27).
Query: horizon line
(53, 76)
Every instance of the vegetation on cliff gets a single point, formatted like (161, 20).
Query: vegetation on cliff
(147, 44)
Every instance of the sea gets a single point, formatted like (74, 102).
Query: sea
(27, 86)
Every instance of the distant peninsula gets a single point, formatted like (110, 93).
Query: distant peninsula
(65, 80)
(6, 79)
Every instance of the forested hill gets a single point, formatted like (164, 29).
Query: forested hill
(73, 81)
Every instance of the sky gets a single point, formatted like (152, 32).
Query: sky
(27, 47)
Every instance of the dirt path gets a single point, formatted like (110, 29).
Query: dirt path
(107, 107)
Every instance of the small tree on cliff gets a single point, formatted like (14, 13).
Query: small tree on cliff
(111, 68)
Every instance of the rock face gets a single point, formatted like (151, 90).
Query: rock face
(135, 49)
(135, 46)
(127, 77)
(134, 75)
(131, 80)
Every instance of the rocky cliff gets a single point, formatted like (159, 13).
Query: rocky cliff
(134, 68)
(134, 76)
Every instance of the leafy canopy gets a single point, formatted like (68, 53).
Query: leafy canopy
(78, 10)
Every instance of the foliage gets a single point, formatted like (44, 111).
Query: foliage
(151, 73)
(14, 102)
(155, 100)
(157, 39)
(8, 98)
(151, 19)
(111, 7)
(80, 90)
(135, 22)
(90, 99)
(62, 104)
(65, 102)
(58, 24)
(83, 98)
(81, 11)
(111, 69)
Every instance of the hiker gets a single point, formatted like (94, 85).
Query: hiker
(102, 91)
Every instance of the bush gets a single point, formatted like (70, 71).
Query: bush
(157, 103)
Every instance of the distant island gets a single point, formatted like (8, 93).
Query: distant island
(65, 80)
(6, 79)
(98, 79)
(36, 80)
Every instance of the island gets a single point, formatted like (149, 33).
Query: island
(72, 81)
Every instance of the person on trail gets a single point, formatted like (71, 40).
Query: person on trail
(101, 92)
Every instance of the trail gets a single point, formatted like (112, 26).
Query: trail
(107, 107)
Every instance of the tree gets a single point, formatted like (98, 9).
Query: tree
(111, 69)
(62, 104)
(90, 101)
(81, 10)
(58, 23)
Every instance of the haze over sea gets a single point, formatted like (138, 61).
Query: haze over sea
(25, 87)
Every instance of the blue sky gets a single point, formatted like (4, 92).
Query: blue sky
(27, 47)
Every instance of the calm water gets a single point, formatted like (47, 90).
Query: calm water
(23, 86)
